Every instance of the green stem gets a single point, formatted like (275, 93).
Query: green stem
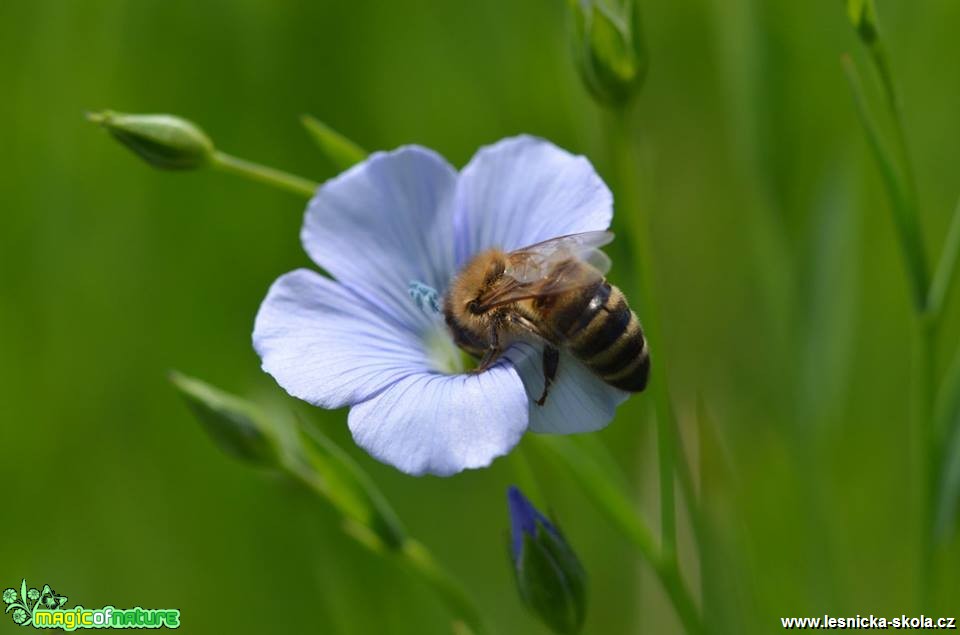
(927, 447)
(416, 558)
(669, 574)
(627, 175)
(670, 455)
(946, 269)
(899, 189)
(263, 174)
(603, 485)
(878, 54)
(928, 299)
(526, 478)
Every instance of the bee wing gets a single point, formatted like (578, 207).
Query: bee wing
(551, 267)
(534, 262)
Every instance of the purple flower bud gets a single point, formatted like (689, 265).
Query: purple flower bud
(550, 578)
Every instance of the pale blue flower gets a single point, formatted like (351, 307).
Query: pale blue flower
(385, 230)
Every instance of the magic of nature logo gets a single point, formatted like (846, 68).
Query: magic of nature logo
(44, 608)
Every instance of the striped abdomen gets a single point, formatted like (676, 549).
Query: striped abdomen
(601, 330)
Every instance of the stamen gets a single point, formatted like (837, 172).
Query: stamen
(425, 297)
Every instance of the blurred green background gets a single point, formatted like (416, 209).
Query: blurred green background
(780, 288)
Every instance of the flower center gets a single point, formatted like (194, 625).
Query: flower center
(444, 355)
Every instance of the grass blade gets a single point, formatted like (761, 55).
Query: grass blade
(902, 203)
(946, 268)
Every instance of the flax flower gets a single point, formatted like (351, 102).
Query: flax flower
(407, 220)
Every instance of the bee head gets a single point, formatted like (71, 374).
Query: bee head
(464, 314)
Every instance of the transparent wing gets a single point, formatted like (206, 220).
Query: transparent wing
(535, 262)
(551, 267)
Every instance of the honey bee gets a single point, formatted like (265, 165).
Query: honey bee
(553, 292)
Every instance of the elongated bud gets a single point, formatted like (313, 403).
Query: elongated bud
(863, 16)
(163, 141)
(551, 581)
(245, 431)
(609, 48)
(237, 426)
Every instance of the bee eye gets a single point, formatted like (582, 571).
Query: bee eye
(474, 307)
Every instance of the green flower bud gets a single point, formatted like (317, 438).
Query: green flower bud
(863, 16)
(609, 48)
(551, 581)
(163, 141)
(237, 426)
(243, 430)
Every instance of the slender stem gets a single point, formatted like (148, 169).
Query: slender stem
(418, 559)
(670, 457)
(414, 557)
(264, 174)
(608, 492)
(927, 446)
(525, 476)
(630, 206)
(946, 269)
(878, 54)
(927, 320)
(669, 574)
(928, 297)
(902, 198)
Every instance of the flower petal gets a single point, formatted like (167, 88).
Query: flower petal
(523, 190)
(326, 346)
(385, 223)
(579, 401)
(441, 424)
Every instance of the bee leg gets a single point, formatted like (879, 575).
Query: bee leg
(551, 360)
(491, 354)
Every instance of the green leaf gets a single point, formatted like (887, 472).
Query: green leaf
(238, 426)
(947, 267)
(328, 469)
(947, 424)
(23, 591)
(340, 151)
(902, 203)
